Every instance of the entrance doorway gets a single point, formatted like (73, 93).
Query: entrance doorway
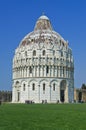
(62, 95)
(62, 90)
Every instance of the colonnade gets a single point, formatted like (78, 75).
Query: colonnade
(41, 71)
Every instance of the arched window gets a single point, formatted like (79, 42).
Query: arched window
(32, 40)
(54, 87)
(34, 53)
(25, 53)
(53, 52)
(17, 82)
(63, 43)
(43, 52)
(30, 69)
(43, 86)
(47, 69)
(33, 86)
(23, 87)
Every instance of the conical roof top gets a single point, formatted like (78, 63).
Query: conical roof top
(43, 23)
(42, 32)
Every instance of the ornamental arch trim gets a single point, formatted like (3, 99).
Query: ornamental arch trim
(43, 80)
(32, 81)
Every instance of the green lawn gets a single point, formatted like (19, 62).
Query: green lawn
(43, 117)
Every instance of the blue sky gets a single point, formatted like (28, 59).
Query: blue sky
(18, 17)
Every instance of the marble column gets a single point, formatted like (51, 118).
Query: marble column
(44, 71)
(49, 70)
(58, 71)
(66, 94)
(27, 71)
(55, 71)
(50, 91)
(58, 90)
(37, 71)
(41, 72)
(39, 92)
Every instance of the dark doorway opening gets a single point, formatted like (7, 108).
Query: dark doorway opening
(62, 95)
(63, 85)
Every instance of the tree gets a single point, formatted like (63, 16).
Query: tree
(83, 86)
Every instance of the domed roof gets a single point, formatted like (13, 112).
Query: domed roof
(43, 23)
(44, 17)
(43, 33)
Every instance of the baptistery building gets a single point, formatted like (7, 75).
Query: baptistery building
(43, 66)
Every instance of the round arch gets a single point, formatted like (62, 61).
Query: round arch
(43, 80)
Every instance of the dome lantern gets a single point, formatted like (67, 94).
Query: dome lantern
(43, 23)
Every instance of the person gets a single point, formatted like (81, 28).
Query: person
(0, 102)
(57, 101)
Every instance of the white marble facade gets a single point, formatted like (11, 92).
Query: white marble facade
(43, 67)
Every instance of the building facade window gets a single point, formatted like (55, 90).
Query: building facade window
(33, 86)
(30, 69)
(43, 52)
(47, 69)
(32, 40)
(23, 87)
(54, 87)
(17, 82)
(53, 52)
(26, 59)
(34, 53)
(25, 53)
(43, 86)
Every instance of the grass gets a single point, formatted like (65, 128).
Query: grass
(43, 117)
